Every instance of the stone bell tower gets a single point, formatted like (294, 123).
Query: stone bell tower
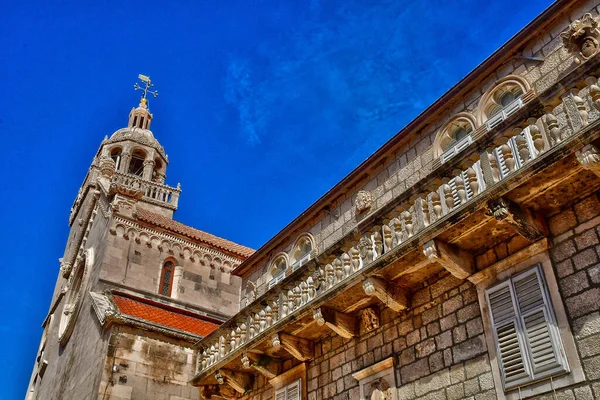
(134, 284)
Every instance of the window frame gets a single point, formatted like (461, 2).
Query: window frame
(290, 377)
(502, 270)
(162, 278)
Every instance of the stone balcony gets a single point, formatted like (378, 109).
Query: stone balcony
(465, 204)
(147, 191)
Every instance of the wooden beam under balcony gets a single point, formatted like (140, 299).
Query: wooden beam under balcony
(532, 226)
(239, 381)
(341, 323)
(300, 349)
(394, 297)
(266, 366)
(456, 261)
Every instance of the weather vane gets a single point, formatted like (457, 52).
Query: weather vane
(145, 88)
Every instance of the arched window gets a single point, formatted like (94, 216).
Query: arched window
(454, 136)
(156, 174)
(277, 270)
(136, 165)
(166, 278)
(302, 251)
(501, 100)
(115, 154)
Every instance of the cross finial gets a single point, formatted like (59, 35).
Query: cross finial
(147, 85)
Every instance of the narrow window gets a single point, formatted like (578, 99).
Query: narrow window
(116, 157)
(293, 391)
(526, 334)
(166, 279)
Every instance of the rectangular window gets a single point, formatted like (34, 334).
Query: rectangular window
(293, 391)
(526, 334)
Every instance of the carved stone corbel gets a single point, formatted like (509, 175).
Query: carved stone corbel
(530, 225)
(239, 381)
(589, 158)
(300, 349)
(456, 261)
(265, 365)
(369, 318)
(341, 323)
(393, 297)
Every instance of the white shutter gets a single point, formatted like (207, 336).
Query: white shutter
(301, 262)
(494, 121)
(452, 184)
(544, 344)
(457, 148)
(509, 344)
(512, 108)
(280, 394)
(293, 391)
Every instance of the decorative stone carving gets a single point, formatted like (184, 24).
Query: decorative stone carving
(581, 38)
(107, 166)
(369, 319)
(536, 136)
(380, 390)
(364, 201)
(245, 361)
(595, 94)
(275, 341)
(220, 379)
(498, 208)
(589, 158)
(553, 128)
(318, 316)
(65, 269)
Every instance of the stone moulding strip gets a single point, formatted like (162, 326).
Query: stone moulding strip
(136, 225)
(561, 150)
(373, 369)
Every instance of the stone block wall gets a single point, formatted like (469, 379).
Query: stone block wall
(141, 365)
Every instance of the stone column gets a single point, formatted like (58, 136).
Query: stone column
(177, 275)
(148, 168)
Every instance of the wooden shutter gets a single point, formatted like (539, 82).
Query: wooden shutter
(527, 338)
(293, 391)
(280, 394)
(509, 343)
(540, 330)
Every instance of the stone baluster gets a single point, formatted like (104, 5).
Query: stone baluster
(387, 238)
(262, 320)
(310, 284)
(436, 204)
(536, 136)
(378, 241)
(509, 158)
(238, 337)
(268, 316)
(421, 207)
(329, 275)
(275, 311)
(472, 180)
(448, 198)
(366, 251)
(552, 128)
(232, 340)
(304, 292)
(522, 146)
(251, 328)
(212, 358)
(397, 224)
(284, 305)
(461, 189)
(355, 258)
(339, 270)
(243, 333)
(297, 297)
(346, 264)
(408, 223)
(291, 301)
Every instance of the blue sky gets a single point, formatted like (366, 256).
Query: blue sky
(264, 105)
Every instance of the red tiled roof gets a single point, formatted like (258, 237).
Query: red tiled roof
(163, 315)
(178, 227)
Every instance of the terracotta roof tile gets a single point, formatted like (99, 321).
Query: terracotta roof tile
(163, 315)
(196, 234)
